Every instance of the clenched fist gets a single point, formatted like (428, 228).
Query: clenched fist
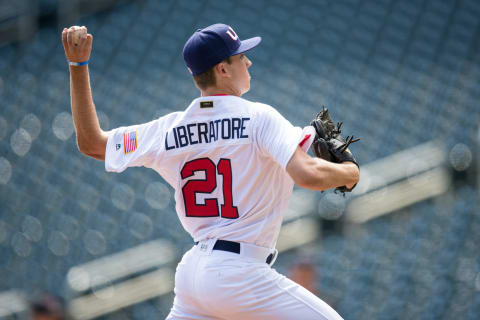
(77, 44)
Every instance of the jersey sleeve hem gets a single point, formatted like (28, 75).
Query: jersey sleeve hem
(291, 148)
(108, 156)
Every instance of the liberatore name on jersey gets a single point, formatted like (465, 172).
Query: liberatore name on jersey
(206, 132)
(225, 157)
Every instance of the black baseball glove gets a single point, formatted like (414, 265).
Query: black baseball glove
(329, 144)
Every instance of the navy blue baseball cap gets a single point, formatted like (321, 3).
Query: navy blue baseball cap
(213, 44)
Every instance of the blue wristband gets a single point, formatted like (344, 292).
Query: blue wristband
(77, 64)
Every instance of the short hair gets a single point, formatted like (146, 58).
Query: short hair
(207, 79)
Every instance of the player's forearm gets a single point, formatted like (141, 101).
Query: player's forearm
(91, 139)
(327, 175)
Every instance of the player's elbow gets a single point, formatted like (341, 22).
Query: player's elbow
(82, 146)
(91, 149)
(85, 149)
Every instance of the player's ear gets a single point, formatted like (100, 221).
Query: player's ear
(222, 69)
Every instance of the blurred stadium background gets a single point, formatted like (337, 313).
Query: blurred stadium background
(402, 75)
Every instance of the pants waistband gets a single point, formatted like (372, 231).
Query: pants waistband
(263, 254)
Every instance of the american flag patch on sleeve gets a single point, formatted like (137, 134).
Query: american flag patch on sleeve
(130, 142)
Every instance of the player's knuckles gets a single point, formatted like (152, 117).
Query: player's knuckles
(82, 42)
(70, 37)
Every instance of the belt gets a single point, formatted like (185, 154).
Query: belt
(235, 247)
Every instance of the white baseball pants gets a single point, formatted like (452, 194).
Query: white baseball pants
(224, 285)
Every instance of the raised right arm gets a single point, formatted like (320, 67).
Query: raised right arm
(91, 139)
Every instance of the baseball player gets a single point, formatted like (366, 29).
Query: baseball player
(232, 163)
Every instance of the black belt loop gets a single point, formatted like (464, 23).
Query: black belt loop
(229, 246)
(270, 258)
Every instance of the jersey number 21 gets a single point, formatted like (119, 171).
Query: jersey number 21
(208, 185)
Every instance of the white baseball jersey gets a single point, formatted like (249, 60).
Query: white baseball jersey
(225, 157)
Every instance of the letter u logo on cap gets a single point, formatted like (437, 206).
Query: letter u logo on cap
(232, 34)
